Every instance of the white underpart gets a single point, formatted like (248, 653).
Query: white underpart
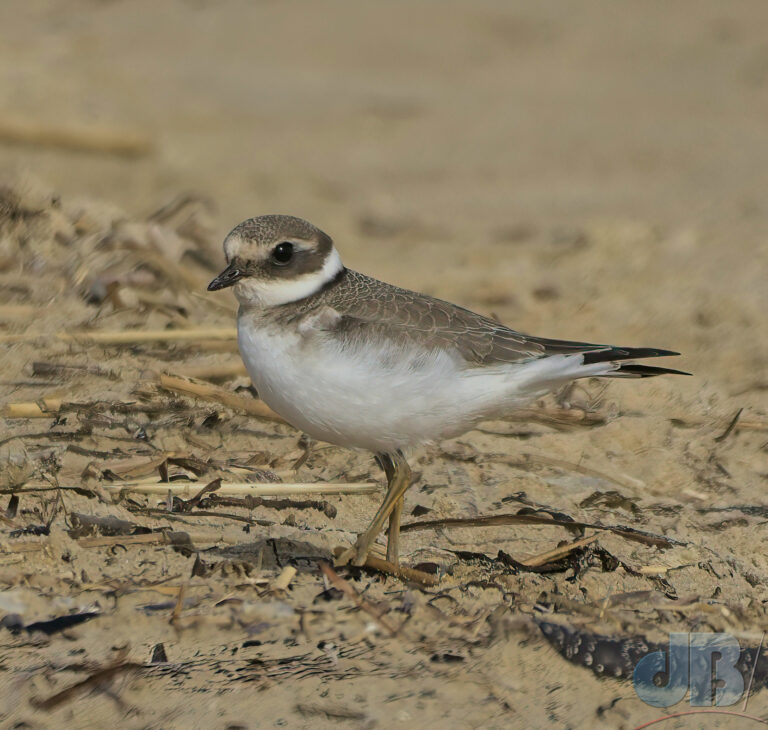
(274, 292)
(379, 397)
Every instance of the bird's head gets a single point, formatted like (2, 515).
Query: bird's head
(276, 259)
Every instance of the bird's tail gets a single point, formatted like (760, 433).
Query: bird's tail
(615, 355)
(565, 361)
(607, 360)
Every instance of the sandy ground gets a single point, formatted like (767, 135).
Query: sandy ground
(597, 175)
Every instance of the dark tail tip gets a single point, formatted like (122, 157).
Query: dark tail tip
(646, 371)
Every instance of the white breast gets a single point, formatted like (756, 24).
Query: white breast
(379, 397)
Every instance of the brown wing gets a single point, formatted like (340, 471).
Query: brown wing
(370, 308)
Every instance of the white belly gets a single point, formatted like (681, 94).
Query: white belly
(378, 399)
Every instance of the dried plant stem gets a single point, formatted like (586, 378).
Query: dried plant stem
(751, 426)
(189, 489)
(128, 337)
(212, 300)
(399, 571)
(45, 408)
(628, 533)
(376, 613)
(179, 607)
(218, 370)
(63, 370)
(283, 580)
(740, 425)
(150, 538)
(556, 553)
(155, 538)
(207, 391)
(103, 140)
(102, 679)
(171, 270)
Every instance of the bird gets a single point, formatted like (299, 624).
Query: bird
(354, 361)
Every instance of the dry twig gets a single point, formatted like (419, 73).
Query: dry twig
(399, 571)
(550, 556)
(724, 435)
(149, 538)
(209, 392)
(740, 425)
(94, 681)
(215, 371)
(357, 599)
(629, 533)
(44, 408)
(128, 337)
(188, 489)
(283, 580)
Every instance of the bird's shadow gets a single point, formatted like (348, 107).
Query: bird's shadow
(273, 553)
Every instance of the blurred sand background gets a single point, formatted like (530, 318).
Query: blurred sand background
(594, 172)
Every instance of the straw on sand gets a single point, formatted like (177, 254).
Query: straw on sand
(128, 337)
(189, 489)
(210, 392)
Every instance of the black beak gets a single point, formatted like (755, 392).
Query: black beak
(231, 275)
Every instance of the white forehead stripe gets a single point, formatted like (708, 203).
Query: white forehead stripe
(281, 291)
(231, 244)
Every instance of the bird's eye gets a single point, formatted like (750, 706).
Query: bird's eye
(282, 253)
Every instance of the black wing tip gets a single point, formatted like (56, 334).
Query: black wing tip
(631, 369)
(647, 371)
(610, 354)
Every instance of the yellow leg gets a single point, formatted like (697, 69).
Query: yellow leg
(399, 476)
(393, 534)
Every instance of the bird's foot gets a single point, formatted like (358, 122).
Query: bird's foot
(357, 554)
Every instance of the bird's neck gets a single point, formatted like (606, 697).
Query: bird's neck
(277, 292)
